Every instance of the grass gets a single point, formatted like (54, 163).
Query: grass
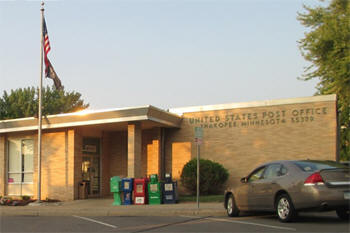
(206, 198)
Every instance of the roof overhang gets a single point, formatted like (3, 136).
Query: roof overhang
(148, 114)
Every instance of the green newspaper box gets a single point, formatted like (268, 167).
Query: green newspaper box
(115, 183)
(154, 191)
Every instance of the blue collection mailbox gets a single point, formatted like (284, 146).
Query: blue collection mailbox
(169, 190)
(127, 184)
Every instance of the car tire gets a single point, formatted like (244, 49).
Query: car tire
(343, 213)
(231, 207)
(285, 208)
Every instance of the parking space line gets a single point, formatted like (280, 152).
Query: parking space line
(252, 223)
(188, 216)
(95, 221)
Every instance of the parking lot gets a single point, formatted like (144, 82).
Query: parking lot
(307, 222)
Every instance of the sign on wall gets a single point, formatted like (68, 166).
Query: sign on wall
(259, 119)
(91, 145)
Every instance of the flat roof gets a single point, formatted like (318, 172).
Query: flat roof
(148, 114)
(299, 100)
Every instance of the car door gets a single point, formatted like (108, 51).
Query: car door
(253, 186)
(241, 195)
(267, 186)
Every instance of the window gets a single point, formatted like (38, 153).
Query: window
(256, 175)
(311, 166)
(283, 171)
(20, 163)
(272, 171)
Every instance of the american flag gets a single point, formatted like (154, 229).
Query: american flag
(46, 42)
(49, 70)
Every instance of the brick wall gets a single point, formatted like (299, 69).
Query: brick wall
(181, 154)
(151, 161)
(78, 157)
(150, 153)
(105, 164)
(2, 165)
(242, 138)
(58, 165)
(134, 149)
(118, 154)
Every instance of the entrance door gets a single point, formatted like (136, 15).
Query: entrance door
(91, 165)
(91, 174)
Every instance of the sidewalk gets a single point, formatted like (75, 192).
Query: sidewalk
(103, 207)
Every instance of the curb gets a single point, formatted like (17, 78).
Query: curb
(146, 210)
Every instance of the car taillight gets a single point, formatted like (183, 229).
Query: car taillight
(314, 179)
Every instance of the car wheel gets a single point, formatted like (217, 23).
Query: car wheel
(285, 209)
(343, 213)
(231, 206)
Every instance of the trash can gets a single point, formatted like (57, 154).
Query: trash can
(127, 185)
(169, 190)
(115, 183)
(154, 190)
(140, 191)
(83, 190)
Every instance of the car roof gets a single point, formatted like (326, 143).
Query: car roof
(297, 160)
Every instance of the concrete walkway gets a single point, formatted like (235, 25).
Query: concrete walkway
(103, 207)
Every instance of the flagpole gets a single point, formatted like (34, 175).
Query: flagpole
(40, 104)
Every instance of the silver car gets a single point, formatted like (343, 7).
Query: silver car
(291, 186)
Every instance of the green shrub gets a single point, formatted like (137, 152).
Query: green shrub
(211, 178)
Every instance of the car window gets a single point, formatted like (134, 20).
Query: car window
(311, 166)
(283, 170)
(272, 171)
(256, 175)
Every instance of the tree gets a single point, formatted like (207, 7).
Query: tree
(327, 46)
(23, 102)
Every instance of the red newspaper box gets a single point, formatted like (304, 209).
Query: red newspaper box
(140, 191)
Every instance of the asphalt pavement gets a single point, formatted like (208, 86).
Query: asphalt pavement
(99, 215)
(324, 222)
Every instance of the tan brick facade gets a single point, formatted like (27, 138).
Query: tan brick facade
(151, 152)
(180, 155)
(242, 138)
(78, 145)
(106, 161)
(3, 165)
(134, 150)
(58, 165)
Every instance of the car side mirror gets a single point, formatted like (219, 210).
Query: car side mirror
(244, 180)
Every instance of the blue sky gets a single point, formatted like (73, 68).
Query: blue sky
(167, 53)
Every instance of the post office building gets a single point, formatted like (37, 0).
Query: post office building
(93, 146)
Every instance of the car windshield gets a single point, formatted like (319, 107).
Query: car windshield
(311, 166)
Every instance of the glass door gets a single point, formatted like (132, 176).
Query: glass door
(20, 167)
(91, 165)
(91, 174)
